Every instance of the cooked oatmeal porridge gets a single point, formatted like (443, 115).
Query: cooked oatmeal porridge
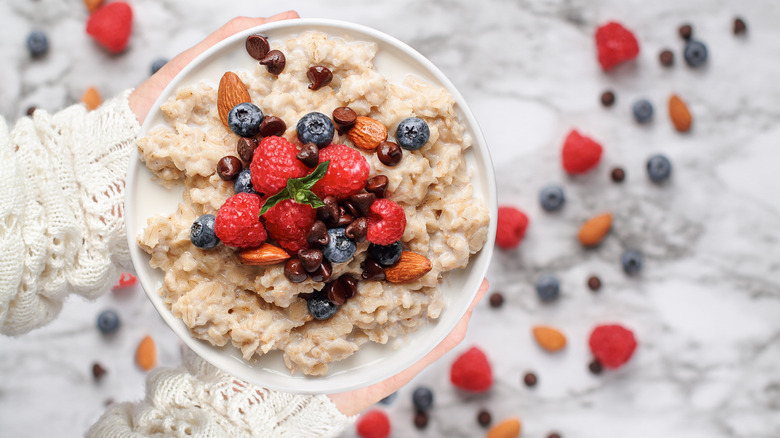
(256, 308)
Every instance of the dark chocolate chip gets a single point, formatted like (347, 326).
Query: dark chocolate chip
(322, 273)
(229, 167)
(377, 185)
(344, 218)
(740, 28)
(98, 371)
(607, 98)
(311, 259)
(594, 283)
(530, 380)
(554, 435)
(666, 57)
(294, 271)
(484, 418)
(272, 125)
(318, 235)
(350, 285)
(362, 202)
(336, 292)
(389, 153)
(496, 300)
(618, 174)
(319, 76)
(421, 419)
(357, 229)
(329, 212)
(686, 31)
(257, 46)
(351, 208)
(246, 148)
(309, 155)
(595, 367)
(344, 116)
(274, 61)
(31, 111)
(372, 270)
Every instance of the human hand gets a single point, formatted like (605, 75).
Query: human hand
(144, 96)
(355, 402)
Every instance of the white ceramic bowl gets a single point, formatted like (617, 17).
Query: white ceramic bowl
(373, 362)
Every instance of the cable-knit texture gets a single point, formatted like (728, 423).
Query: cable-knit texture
(61, 209)
(198, 400)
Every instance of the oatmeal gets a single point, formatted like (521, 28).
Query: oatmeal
(257, 308)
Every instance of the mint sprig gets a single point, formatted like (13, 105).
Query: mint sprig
(299, 190)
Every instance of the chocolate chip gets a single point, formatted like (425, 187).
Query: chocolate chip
(318, 235)
(618, 175)
(309, 155)
(246, 148)
(595, 367)
(344, 116)
(496, 300)
(319, 76)
(257, 46)
(294, 271)
(666, 57)
(311, 259)
(372, 270)
(594, 283)
(274, 61)
(421, 419)
(351, 208)
(31, 111)
(554, 435)
(330, 211)
(362, 202)
(344, 217)
(530, 380)
(740, 28)
(336, 292)
(357, 229)
(98, 371)
(229, 167)
(350, 285)
(322, 273)
(686, 31)
(272, 125)
(389, 153)
(607, 98)
(377, 185)
(484, 418)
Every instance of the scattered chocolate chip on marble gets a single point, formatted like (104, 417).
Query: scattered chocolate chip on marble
(496, 300)
(530, 380)
(618, 175)
(484, 418)
(98, 372)
(595, 367)
(685, 31)
(421, 419)
(740, 27)
(666, 58)
(31, 111)
(607, 98)
(594, 283)
(554, 435)
(320, 76)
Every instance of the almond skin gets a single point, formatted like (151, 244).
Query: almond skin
(91, 98)
(146, 354)
(410, 267)
(595, 229)
(549, 338)
(265, 254)
(367, 133)
(231, 92)
(509, 428)
(678, 112)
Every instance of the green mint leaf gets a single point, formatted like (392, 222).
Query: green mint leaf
(309, 180)
(299, 190)
(311, 199)
(273, 200)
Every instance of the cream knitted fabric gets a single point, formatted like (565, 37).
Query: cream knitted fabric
(61, 204)
(198, 400)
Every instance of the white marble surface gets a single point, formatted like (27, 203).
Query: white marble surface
(706, 308)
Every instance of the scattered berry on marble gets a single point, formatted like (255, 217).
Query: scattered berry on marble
(257, 46)
(315, 128)
(471, 371)
(420, 419)
(484, 418)
(340, 248)
(387, 222)
(321, 308)
(594, 283)
(108, 322)
(274, 61)
(618, 174)
(146, 354)
(157, 64)
(551, 197)
(595, 367)
(244, 119)
(98, 372)
(386, 255)
(126, 279)
(389, 399)
(579, 153)
(228, 167)
(659, 168)
(695, 53)
(37, 43)
(496, 300)
(111, 25)
(347, 172)
(289, 222)
(612, 344)
(202, 233)
(530, 380)
(548, 288)
(643, 111)
(274, 163)
(615, 44)
(243, 182)
(666, 58)
(422, 398)
(508, 428)
(238, 223)
(373, 424)
(511, 227)
(595, 229)
(607, 98)
(631, 261)
(320, 76)
(549, 338)
(412, 133)
(740, 27)
(685, 31)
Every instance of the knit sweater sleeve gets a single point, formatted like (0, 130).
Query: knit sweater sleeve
(61, 208)
(198, 400)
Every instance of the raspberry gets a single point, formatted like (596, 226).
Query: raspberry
(125, 280)
(386, 222)
(374, 424)
(347, 172)
(579, 154)
(110, 26)
(471, 371)
(615, 44)
(273, 163)
(289, 222)
(612, 344)
(512, 224)
(238, 221)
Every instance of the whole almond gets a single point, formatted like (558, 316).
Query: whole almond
(367, 133)
(409, 267)
(509, 428)
(91, 98)
(265, 254)
(594, 229)
(678, 112)
(146, 354)
(549, 338)
(231, 92)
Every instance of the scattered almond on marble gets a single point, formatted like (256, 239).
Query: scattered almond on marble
(91, 98)
(679, 113)
(509, 428)
(146, 354)
(265, 254)
(231, 92)
(595, 229)
(367, 133)
(549, 338)
(409, 267)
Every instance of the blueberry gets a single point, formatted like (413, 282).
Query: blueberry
(412, 133)
(340, 248)
(551, 197)
(643, 111)
(659, 168)
(389, 399)
(422, 398)
(108, 322)
(695, 53)
(321, 308)
(157, 64)
(37, 43)
(548, 288)
(315, 128)
(631, 261)
(386, 255)
(244, 119)
(243, 182)
(202, 232)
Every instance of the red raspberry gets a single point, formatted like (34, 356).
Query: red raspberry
(273, 164)
(289, 222)
(125, 280)
(580, 153)
(374, 424)
(612, 344)
(238, 221)
(615, 44)
(471, 371)
(512, 224)
(386, 222)
(347, 172)
(110, 26)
